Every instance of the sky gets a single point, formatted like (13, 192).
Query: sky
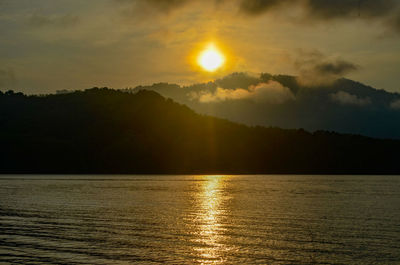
(48, 45)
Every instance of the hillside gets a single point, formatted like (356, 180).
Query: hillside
(108, 131)
(283, 101)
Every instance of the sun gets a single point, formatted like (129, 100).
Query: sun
(211, 59)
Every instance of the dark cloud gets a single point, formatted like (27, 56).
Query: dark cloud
(246, 6)
(323, 9)
(256, 7)
(63, 21)
(326, 10)
(164, 6)
(316, 69)
(314, 10)
(338, 68)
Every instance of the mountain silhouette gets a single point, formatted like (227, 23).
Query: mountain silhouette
(101, 130)
(343, 105)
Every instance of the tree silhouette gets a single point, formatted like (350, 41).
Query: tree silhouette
(101, 130)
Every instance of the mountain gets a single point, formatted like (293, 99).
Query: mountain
(109, 131)
(285, 101)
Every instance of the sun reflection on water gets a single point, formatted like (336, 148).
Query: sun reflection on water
(209, 221)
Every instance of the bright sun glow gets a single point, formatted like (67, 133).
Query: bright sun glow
(211, 59)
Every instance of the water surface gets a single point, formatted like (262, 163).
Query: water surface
(200, 219)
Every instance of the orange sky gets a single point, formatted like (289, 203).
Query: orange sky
(69, 44)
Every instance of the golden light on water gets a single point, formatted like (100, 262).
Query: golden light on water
(211, 58)
(211, 229)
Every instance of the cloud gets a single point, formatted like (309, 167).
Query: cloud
(328, 10)
(163, 6)
(271, 92)
(324, 9)
(167, 5)
(349, 99)
(7, 78)
(338, 9)
(338, 68)
(63, 21)
(315, 69)
(394, 22)
(395, 104)
(312, 10)
(257, 7)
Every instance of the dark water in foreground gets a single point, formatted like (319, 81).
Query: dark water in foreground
(199, 219)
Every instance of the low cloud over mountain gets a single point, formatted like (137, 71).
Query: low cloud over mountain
(270, 92)
(349, 99)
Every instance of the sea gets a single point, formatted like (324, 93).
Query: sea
(199, 219)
